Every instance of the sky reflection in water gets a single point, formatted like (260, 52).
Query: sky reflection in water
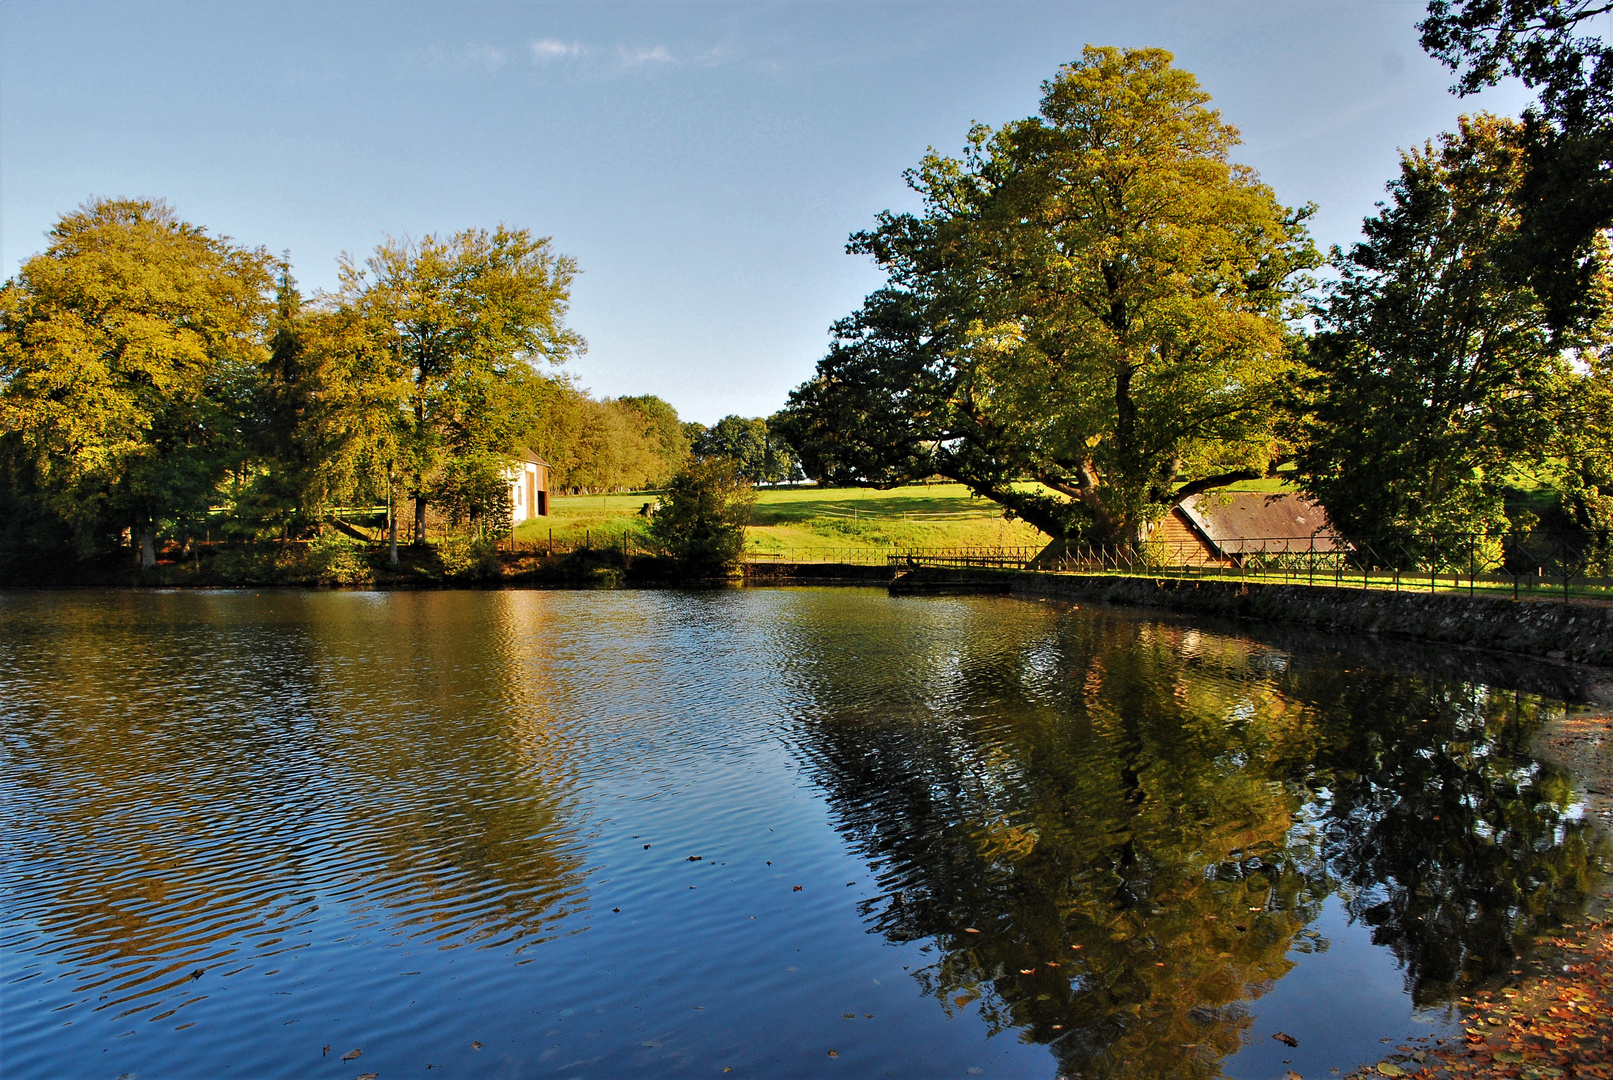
(1029, 840)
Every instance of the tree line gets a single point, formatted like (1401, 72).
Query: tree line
(161, 383)
(1099, 299)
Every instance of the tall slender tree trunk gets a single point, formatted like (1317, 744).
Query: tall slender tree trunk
(419, 520)
(392, 512)
(148, 547)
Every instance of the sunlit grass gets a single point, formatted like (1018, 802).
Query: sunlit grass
(819, 521)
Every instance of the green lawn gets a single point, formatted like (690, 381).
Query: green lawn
(805, 522)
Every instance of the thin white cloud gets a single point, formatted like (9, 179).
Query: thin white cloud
(635, 57)
(491, 57)
(488, 58)
(547, 49)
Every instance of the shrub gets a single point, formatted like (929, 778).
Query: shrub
(701, 523)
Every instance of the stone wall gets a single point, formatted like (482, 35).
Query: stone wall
(1579, 632)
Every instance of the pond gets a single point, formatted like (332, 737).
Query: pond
(783, 832)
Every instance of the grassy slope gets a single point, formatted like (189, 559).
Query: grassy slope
(808, 521)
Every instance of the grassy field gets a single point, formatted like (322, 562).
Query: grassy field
(805, 522)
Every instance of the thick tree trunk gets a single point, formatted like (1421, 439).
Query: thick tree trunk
(148, 548)
(419, 521)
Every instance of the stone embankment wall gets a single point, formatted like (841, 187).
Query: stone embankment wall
(1578, 632)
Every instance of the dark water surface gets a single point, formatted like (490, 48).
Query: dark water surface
(783, 832)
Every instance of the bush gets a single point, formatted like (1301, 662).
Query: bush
(334, 559)
(465, 559)
(701, 523)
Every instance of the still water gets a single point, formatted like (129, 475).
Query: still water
(783, 832)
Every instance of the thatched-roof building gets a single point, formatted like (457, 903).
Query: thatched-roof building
(1218, 529)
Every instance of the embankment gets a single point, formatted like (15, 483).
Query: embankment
(1579, 632)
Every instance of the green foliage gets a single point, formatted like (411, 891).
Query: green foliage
(1434, 371)
(461, 322)
(334, 559)
(759, 456)
(127, 350)
(703, 515)
(1095, 298)
(464, 559)
(604, 445)
(1565, 194)
(660, 425)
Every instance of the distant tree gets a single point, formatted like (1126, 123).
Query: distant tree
(1434, 370)
(665, 431)
(464, 319)
(760, 456)
(703, 515)
(1096, 298)
(1565, 190)
(128, 352)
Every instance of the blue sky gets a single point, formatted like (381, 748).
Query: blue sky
(704, 162)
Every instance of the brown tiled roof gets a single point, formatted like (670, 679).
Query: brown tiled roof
(1239, 521)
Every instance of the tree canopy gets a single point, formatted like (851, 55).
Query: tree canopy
(1096, 298)
(1434, 370)
(1565, 194)
(161, 384)
(462, 321)
(127, 350)
(760, 455)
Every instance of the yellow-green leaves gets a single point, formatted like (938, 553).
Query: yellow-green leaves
(1095, 297)
(118, 348)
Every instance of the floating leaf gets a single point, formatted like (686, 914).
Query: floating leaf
(1389, 1068)
(1285, 1038)
(475, 1045)
(368, 1076)
(834, 1053)
(351, 1054)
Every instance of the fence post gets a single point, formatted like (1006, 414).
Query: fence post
(1562, 561)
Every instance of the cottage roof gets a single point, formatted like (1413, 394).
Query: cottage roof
(1238, 521)
(524, 453)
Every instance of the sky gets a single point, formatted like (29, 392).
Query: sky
(703, 162)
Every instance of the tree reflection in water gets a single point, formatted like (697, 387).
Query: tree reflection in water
(1114, 833)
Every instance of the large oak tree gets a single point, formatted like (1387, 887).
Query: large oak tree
(1096, 298)
(128, 352)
